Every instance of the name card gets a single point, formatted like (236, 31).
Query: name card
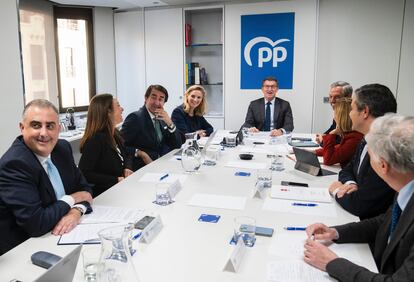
(236, 257)
(174, 188)
(151, 230)
(259, 191)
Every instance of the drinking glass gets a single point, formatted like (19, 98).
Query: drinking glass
(230, 141)
(264, 178)
(245, 228)
(93, 264)
(277, 163)
(162, 195)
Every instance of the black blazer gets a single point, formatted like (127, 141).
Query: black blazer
(186, 124)
(139, 133)
(395, 260)
(373, 196)
(101, 164)
(28, 204)
(282, 117)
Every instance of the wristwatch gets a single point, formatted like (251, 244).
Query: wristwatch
(79, 210)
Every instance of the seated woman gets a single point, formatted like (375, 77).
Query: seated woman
(104, 161)
(340, 153)
(189, 116)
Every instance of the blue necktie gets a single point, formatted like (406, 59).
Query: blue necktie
(55, 179)
(267, 117)
(395, 216)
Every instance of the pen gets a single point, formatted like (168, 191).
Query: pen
(295, 228)
(304, 204)
(164, 176)
(137, 236)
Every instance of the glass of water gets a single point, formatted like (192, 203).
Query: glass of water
(93, 265)
(245, 228)
(277, 163)
(162, 195)
(264, 178)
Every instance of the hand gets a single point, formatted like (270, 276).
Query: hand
(320, 231)
(163, 115)
(82, 196)
(276, 132)
(201, 133)
(253, 129)
(318, 255)
(334, 185)
(346, 189)
(144, 156)
(319, 138)
(127, 172)
(120, 178)
(67, 223)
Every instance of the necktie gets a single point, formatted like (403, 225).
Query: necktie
(361, 152)
(158, 131)
(395, 216)
(55, 179)
(267, 117)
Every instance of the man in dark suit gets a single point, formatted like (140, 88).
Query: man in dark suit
(149, 133)
(41, 189)
(359, 189)
(269, 113)
(391, 147)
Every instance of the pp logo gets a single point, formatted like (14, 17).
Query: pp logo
(276, 54)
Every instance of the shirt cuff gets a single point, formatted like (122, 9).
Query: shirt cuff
(333, 194)
(350, 182)
(172, 128)
(283, 130)
(81, 207)
(68, 200)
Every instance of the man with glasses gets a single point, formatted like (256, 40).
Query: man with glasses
(269, 113)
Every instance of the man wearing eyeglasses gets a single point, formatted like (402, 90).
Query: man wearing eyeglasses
(338, 89)
(269, 113)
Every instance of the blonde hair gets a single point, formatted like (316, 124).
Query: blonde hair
(201, 109)
(342, 109)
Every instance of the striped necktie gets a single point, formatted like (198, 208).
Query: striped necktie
(267, 117)
(395, 216)
(55, 179)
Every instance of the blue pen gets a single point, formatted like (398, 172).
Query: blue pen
(137, 236)
(304, 204)
(163, 177)
(295, 228)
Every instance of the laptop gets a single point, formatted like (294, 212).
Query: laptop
(308, 162)
(63, 270)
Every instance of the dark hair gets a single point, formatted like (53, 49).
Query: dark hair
(159, 88)
(99, 120)
(270, 78)
(378, 98)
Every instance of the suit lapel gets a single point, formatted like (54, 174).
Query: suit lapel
(261, 114)
(150, 125)
(405, 221)
(276, 112)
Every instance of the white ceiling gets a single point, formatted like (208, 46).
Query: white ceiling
(131, 4)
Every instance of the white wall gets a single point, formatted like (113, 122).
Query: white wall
(10, 75)
(359, 42)
(130, 60)
(301, 95)
(104, 50)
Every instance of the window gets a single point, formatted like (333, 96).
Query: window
(74, 57)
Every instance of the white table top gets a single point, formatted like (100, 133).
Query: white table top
(188, 250)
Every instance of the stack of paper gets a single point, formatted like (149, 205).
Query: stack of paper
(301, 193)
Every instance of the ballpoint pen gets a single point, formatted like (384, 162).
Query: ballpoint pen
(164, 176)
(291, 228)
(137, 236)
(304, 204)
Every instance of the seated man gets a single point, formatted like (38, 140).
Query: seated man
(337, 90)
(41, 188)
(269, 113)
(149, 133)
(391, 147)
(359, 189)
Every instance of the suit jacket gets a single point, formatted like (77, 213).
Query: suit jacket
(373, 196)
(395, 260)
(339, 153)
(28, 204)
(282, 116)
(101, 164)
(138, 132)
(187, 124)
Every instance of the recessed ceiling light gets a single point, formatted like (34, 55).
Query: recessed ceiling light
(155, 3)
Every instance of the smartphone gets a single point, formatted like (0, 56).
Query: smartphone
(290, 183)
(258, 143)
(45, 259)
(264, 231)
(143, 222)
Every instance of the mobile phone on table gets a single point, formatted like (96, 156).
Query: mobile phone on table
(291, 183)
(143, 222)
(264, 231)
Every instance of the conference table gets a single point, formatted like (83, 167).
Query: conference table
(189, 250)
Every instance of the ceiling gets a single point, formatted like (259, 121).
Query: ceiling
(131, 4)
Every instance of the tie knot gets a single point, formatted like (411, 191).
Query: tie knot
(49, 161)
(268, 103)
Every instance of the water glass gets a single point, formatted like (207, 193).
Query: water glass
(190, 136)
(211, 157)
(245, 228)
(264, 178)
(162, 195)
(93, 265)
(277, 163)
(230, 141)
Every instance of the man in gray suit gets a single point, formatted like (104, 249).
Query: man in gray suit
(391, 147)
(269, 113)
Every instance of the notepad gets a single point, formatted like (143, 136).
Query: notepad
(310, 194)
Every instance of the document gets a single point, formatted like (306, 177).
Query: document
(84, 234)
(310, 194)
(106, 214)
(288, 244)
(294, 270)
(247, 164)
(287, 206)
(165, 177)
(218, 201)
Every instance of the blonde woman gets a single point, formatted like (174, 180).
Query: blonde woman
(189, 116)
(340, 153)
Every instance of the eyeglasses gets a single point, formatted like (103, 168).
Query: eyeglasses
(270, 86)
